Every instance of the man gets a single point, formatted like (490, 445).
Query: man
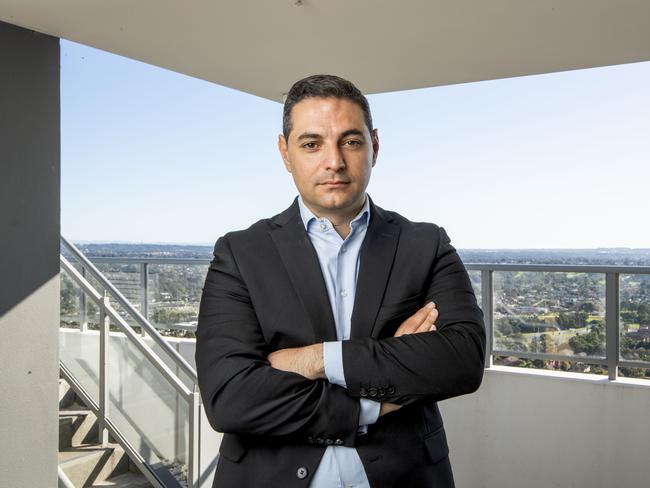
(320, 353)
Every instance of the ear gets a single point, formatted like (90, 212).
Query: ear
(375, 146)
(284, 152)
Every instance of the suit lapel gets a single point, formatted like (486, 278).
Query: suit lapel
(376, 261)
(301, 262)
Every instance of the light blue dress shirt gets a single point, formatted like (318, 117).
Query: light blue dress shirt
(341, 466)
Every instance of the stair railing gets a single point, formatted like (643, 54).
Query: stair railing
(109, 315)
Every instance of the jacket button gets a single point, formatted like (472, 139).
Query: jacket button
(381, 392)
(302, 472)
(373, 392)
(363, 392)
(338, 442)
(391, 390)
(320, 440)
(329, 441)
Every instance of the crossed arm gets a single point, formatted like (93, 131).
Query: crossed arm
(247, 390)
(308, 361)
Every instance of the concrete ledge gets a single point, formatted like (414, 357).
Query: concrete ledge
(541, 429)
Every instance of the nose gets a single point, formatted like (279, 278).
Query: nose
(333, 158)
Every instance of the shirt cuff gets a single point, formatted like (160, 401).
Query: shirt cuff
(333, 362)
(369, 412)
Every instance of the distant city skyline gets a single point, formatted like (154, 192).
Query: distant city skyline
(171, 243)
(549, 161)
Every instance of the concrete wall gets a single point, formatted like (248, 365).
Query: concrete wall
(29, 256)
(541, 429)
(523, 428)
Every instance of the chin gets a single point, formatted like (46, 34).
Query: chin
(336, 201)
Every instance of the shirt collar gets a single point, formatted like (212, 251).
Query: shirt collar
(307, 216)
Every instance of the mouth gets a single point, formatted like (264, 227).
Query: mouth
(334, 183)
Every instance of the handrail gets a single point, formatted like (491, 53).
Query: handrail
(109, 315)
(567, 268)
(559, 268)
(149, 260)
(169, 375)
(139, 318)
(64, 481)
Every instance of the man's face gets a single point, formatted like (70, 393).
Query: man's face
(330, 154)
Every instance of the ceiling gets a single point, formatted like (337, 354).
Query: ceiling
(263, 46)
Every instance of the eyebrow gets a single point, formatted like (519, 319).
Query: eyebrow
(313, 135)
(309, 135)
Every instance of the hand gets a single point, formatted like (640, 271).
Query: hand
(387, 407)
(306, 361)
(421, 321)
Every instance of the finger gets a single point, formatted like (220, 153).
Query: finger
(429, 321)
(420, 319)
(410, 325)
(415, 320)
(433, 316)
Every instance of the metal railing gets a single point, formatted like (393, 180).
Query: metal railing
(612, 357)
(144, 265)
(109, 316)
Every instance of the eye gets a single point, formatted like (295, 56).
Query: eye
(309, 145)
(352, 143)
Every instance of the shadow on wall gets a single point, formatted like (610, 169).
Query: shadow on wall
(30, 178)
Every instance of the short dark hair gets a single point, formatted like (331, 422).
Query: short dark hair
(323, 86)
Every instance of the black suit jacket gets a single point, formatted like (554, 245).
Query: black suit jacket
(265, 291)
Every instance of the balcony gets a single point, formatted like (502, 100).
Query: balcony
(574, 416)
(581, 394)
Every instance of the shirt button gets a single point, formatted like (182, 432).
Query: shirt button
(343, 249)
(344, 293)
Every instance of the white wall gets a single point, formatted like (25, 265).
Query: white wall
(523, 428)
(542, 429)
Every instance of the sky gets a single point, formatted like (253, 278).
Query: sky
(559, 160)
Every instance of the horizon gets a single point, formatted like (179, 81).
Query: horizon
(81, 241)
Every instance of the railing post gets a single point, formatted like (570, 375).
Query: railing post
(83, 316)
(64, 481)
(144, 293)
(612, 333)
(487, 304)
(193, 465)
(104, 330)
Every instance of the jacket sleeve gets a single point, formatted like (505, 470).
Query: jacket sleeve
(241, 392)
(430, 366)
